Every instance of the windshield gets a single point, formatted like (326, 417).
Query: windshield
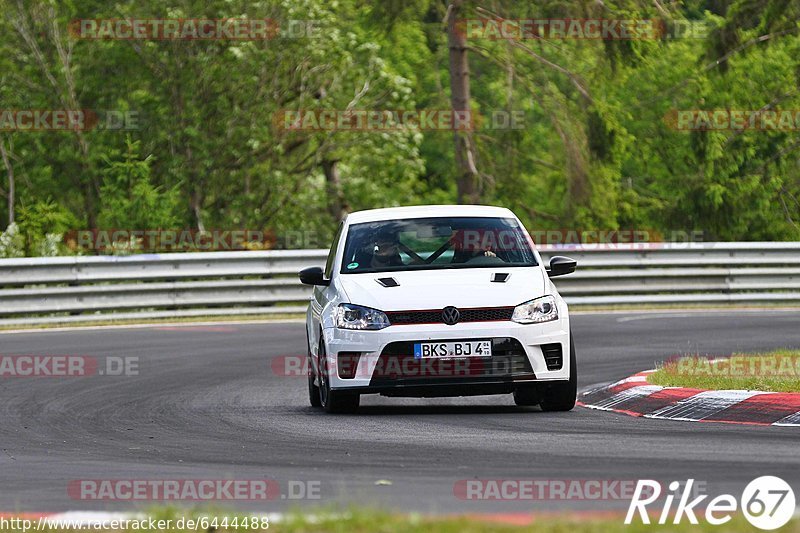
(434, 243)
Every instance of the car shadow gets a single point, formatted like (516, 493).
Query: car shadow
(380, 410)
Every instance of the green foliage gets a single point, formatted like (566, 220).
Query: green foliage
(12, 244)
(41, 226)
(593, 150)
(130, 200)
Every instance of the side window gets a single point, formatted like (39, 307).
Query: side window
(332, 253)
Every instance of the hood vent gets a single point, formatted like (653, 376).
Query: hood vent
(500, 277)
(388, 282)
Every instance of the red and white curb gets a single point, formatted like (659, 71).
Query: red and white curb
(634, 396)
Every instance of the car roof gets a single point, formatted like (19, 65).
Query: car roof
(422, 211)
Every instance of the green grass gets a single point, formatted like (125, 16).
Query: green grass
(777, 371)
(373, 521)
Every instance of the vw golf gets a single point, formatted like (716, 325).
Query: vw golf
(438, 301)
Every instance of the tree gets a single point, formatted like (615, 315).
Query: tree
(6, 156)
(467, 175)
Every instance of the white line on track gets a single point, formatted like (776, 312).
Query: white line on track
(656, 315)
(153, 325)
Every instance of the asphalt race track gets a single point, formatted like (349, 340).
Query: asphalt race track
(206, 404)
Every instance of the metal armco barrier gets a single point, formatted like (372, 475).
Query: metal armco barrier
(75, 289)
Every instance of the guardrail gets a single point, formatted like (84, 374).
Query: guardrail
(76, 289)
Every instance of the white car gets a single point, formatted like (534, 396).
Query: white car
(442, 300)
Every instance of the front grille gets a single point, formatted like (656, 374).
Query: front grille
(397, 365)
(434, 316)
(552, 356)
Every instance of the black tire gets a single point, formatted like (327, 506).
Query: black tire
(333, 401)
(527, 395)
(313, 390)
(561, 396)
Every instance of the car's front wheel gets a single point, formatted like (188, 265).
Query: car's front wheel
(333, 401)
(561, 396)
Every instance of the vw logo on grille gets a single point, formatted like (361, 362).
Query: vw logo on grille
(450, 315)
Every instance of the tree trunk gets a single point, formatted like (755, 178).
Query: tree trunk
(337, 204)
(11, 183)
(467, 175)
(196, 206)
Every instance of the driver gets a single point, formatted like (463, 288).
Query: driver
(386, 252)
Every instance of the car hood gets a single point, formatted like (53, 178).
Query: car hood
(436, 289)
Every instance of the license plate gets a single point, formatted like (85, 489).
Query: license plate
(428, 350)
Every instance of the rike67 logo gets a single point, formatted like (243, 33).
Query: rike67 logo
(767, 502)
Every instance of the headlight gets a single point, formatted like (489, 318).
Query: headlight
(539, 310)
(349, 316)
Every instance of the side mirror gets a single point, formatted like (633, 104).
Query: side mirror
(560, 265)
(313, 276)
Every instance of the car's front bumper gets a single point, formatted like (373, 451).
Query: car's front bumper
(386, 365)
